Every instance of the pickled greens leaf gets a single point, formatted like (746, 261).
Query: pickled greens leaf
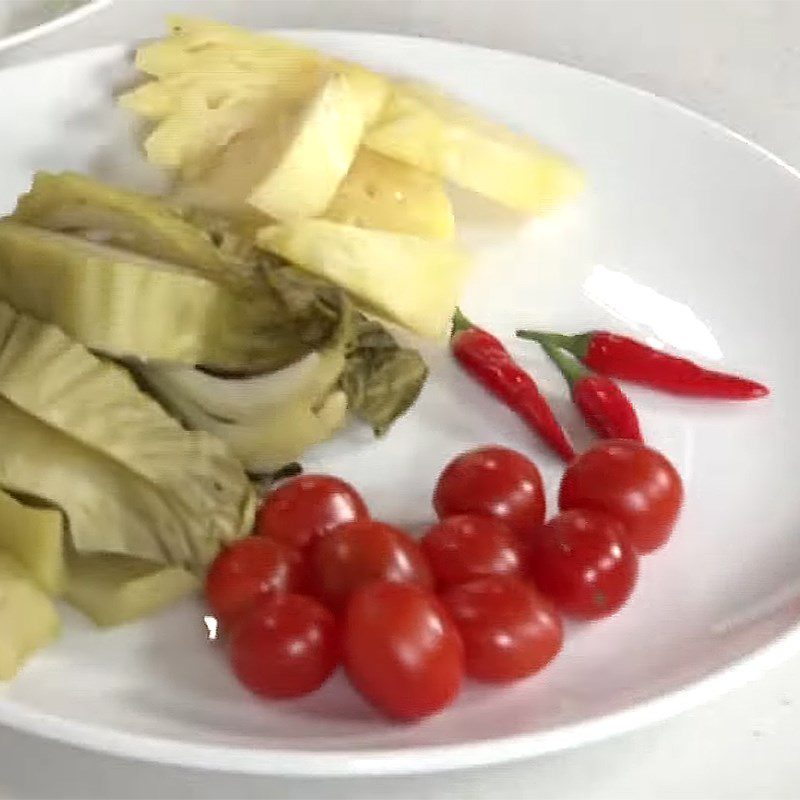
(381, 379)
(264, 444)
(79, 434)
(269, 419)
(144, 224)
(113, 590)
(28, 618)
(124, 304)
(34, 535)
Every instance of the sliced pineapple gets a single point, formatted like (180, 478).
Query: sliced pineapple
(421, 127)
(193, 38)
(291, 166)
(34, 536)
(28, 618)
(413, 281)
(112, 589)
(213, 83)
(189, 138)
(206, 52)
(380, 192)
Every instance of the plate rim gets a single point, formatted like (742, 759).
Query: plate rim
(52, 25)
(404, 761)
(424, 758)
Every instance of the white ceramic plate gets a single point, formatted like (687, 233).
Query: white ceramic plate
(22, 21)
(689, 236)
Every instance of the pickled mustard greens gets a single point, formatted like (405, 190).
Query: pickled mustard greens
(265, 443)
(271, 419)
(381, 379)
(28, 618)
(235, 397)
(413, 281)
(113, 590)
(74, 203)
(34, 535)
(81, 436)
(267, 420)
(125, 304)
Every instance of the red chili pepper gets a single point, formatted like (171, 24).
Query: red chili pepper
(626, 359)
(486, 359)
(603, 404)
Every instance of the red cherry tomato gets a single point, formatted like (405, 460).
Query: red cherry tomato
(630, 481)
(248, 569)
(401, 650)
(492, 482)
(363, 551)
(509, 630)
(465, 546)
(284, 646)
(308, 507)
(583, 561)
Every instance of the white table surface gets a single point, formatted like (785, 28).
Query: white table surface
(737, 61)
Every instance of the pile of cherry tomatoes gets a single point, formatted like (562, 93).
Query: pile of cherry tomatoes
(481, 594)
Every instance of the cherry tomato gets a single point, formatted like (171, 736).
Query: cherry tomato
(509, 630)
(284, 646)
(308, 507)
(630, 481)
(492, 482)
(401, 650)
(583, 561)
(363, 551)
(248, 569)
(465, 546)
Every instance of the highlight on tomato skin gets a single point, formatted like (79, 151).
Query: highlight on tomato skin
(509, 630)
(284, 646)
(362, 551)
(492, 481)
(401, 650)
(630, 481)
(307, 507)
(467, 546)
(583, 561)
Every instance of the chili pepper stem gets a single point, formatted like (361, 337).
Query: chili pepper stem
(577, 344)
(569, 366)
(460, 323)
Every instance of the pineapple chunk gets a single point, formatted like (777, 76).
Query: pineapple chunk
(112, 589)
(379, 192)
(188, 139)
(193, 37)
(28, 618)
(213, 83)
(415, 282)
(311, 168)
(34, 536)
(289, 167)
(444, 137)
(200, 46)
